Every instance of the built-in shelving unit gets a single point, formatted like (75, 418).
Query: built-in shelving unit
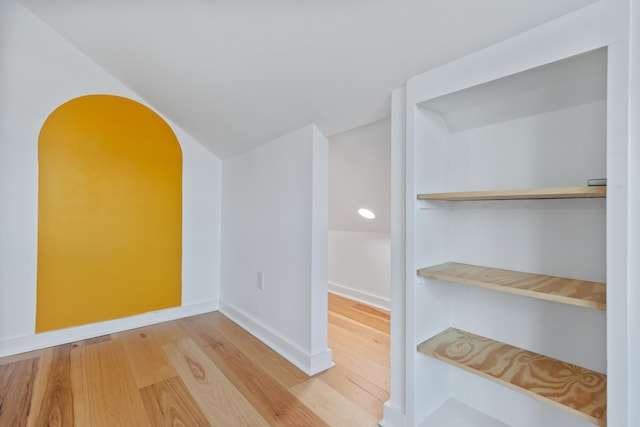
(573, 389)
(532, 314)
(534, 193)
(559, 289)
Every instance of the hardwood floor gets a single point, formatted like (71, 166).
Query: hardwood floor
(201, 371)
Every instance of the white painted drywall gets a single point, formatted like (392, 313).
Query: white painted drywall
(394, 408)
(39, 70)
(634, 212)
(360, 266)
(359, 248)
(360, 177)
(274, 222)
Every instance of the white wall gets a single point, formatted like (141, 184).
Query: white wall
(634, 212)
(274, 214)
(394, 408)
(360, 266)
(39, 70)
(360, 176)
(360, 249)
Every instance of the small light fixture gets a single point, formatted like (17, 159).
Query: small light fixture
(366, 213)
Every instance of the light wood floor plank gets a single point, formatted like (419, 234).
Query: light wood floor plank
(52, 403)
(344, 307)
(219, 400)
(167, 332)
(356, 388)
(111, 390)
(271, 362)
(372, 311)
(169, 404)
(128, 379)
(371, 350)
(360, 329)
(276, 404)
(147, 361)
(21, 356)
(376, 372)
(16, 390)
(80, 395)
(334, 408)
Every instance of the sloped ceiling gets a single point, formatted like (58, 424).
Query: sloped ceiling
(235, 74)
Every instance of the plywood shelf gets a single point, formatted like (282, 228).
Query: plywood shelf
(571, 388)
(551, 288)
(526, 194)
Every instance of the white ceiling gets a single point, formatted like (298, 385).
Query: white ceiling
(235, 74)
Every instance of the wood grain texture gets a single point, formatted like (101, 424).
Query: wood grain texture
(271, 362)
(356, 388)
(533, 193)
(275, 403)
(360, 329)
(558, 289)
(169, 404)
(361, 354)
(574, 389)
(351, 358)
(371, 350)
(5, 360)
(16, 390)
(52, 397)
(167, 332)
(112, 395)
(219, 400)
(371, 317)
(147, 361)
(79, 392)
(323, 400)
(200, 371)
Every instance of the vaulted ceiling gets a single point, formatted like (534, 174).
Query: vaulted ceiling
(235, 74)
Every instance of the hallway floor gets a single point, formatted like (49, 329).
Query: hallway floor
(201, 371)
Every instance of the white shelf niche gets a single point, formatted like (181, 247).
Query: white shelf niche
(543, 127)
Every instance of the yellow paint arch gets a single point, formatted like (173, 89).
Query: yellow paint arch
(109, 213)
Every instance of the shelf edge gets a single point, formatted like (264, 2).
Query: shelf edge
(506, 288)
(522, 194)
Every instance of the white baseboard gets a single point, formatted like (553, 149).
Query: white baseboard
(393, 417)
(47, 339)
(310, 364)
(360, 296)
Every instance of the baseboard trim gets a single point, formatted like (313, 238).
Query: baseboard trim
(310, 364)
(47, 339)
(393, 417)
(360, 296)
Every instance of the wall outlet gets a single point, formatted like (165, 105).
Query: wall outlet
(260, 280)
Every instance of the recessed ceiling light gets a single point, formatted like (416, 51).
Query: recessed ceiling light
(366, 213)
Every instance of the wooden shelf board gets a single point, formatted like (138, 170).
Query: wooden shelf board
(558, 289)
(571, 388)
(533, 193)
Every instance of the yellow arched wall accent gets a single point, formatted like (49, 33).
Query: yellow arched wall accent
(109, 213)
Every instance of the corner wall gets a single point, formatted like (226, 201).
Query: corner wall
(360, 266)
(274, 214)
(359, 248)
(39, 70)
